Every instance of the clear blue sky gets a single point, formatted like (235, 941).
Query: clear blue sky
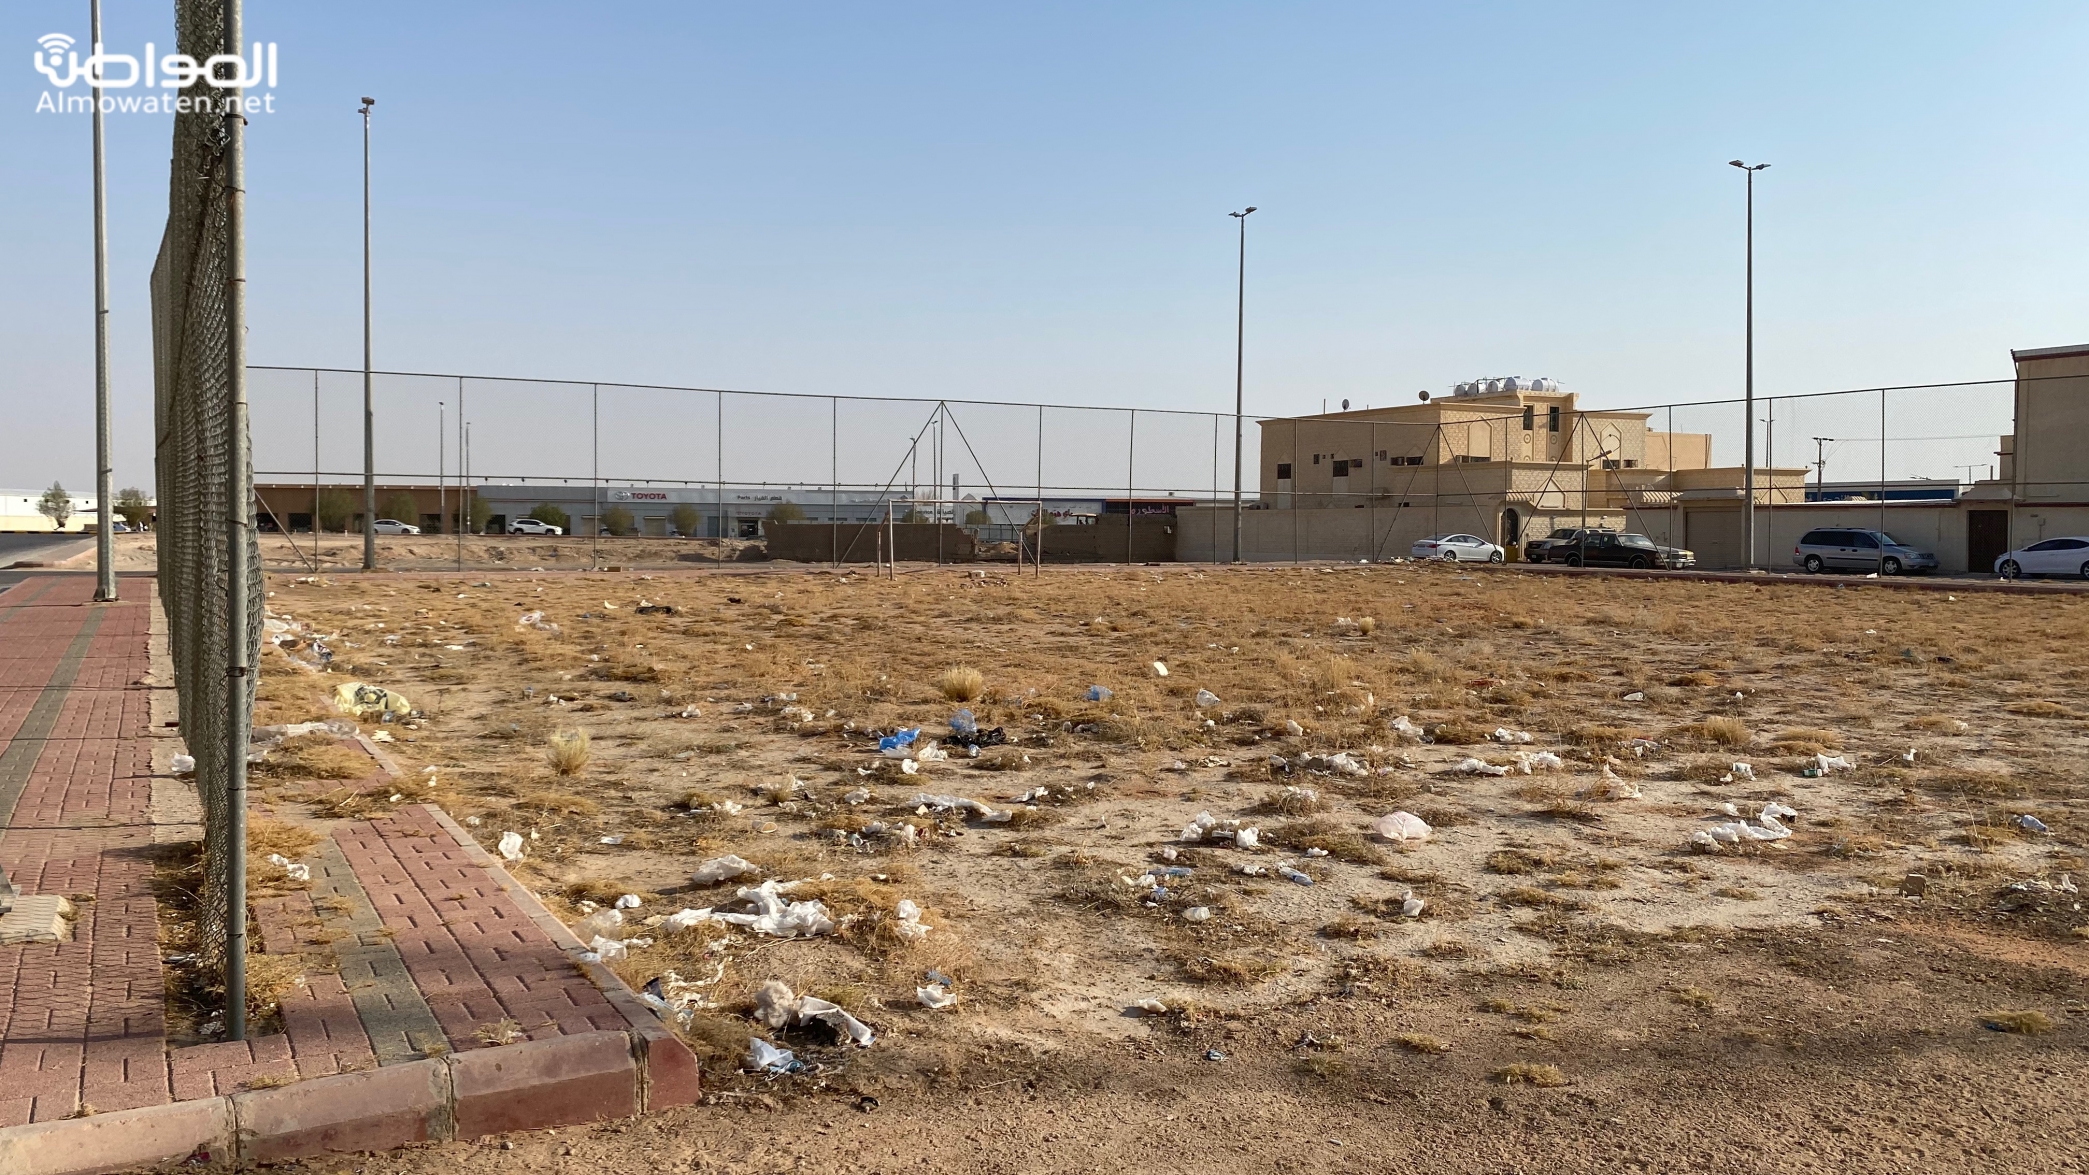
(992, 201)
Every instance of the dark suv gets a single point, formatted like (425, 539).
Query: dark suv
(1609, 549)
(1553, 547)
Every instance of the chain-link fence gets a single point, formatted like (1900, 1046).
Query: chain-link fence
(1114, 483)
(196, 447)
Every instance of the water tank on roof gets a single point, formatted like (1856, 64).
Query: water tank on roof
(1543, 384)
(1515, 383)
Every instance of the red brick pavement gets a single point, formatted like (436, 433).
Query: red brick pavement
(82, 1023)
(474, 955)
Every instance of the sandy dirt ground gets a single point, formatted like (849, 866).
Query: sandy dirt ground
(1896, 985)
(340, 552)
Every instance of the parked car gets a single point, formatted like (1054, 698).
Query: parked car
(1552, 546)
(2068, 556)
(1610, 549)
(394, 526)
(1837, 549)
(1457, 548)
(119, 527)
(532, 526)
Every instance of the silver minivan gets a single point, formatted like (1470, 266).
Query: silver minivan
(1837, 549)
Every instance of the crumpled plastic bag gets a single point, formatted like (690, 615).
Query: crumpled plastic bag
(296, 870)
(1827, 763)
(1503, 734)
(1100, 693)
(906, 921)
(940, 803)
(183, 765)
(775, 916)
(763, 1057)
(1401, 827)
(724, 868)
(898, 741)
(1470, 766)
(776, 1005)
(1206, 699)
(511, 846)
(353, 697)
(935, 996)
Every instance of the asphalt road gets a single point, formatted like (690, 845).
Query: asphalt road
(36, 548)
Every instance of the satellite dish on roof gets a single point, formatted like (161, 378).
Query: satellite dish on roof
(1425, 396)
(1345, 405)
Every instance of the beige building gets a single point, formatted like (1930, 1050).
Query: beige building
(1507, 459)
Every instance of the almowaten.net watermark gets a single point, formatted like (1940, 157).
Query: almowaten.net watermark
(152, 84)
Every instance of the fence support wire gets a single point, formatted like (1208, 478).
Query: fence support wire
(209, 563)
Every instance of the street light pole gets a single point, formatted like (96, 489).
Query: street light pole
(104, 482)
(1748, 472)
(1240, 326)
(369, 415)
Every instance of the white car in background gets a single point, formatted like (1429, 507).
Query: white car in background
(1457, 548)
(532, 526)
(394, 526)
(2068, 556)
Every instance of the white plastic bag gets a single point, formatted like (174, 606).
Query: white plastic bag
(1401, 827)
(511, 846)
(724, 868)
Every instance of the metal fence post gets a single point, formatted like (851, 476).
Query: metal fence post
(834, 467)
(1131, 478)
(239, 536)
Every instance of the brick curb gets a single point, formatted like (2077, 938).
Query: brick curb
(559, 1081)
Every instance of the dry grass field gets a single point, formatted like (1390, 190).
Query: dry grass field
(1895, 985)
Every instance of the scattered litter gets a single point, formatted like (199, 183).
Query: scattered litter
(1197, 914)
(1503, 734)
(297, 871)
(763, 1057)
(183, 765)
(1401, 827)
(536, 621)
(906, 921)
(898, 740)
(963, 723)
(1206, 699)
(1291, 874)
(1410, 905)
(1151, 1006)
(1826, 763)
(1160, 668)
(779, 918)
(1316, 852)
(1743, 771)
(1636, 696)
(1478, 767)
(859, 795)
(1772, 828)
(1616, 787)
(909, 767)
(611, 840)
(935, 996)
(353, 697)
(1098, 693)
(1339, 763)
(628, 902)
(380, 736)
(959, 804)
(1293, 729)
(1406, 729)
(1214, 1055)
(1199, 827)
(2031, 824)
(1247, 838)
(511, 846)
(1527, 762)
(719, 869)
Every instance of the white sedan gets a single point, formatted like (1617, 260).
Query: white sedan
(2069, 556)
(394, 526)
(1457, 548)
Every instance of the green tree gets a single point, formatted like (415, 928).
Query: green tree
(912, 515)
(687, 520)
(401, 507)
(786, 512)
(618, 521)
(131, 504)
(334, 509)
(481, 514)
(56, 505)
(977, 517)
(551, 515)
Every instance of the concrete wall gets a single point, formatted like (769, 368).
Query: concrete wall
(917, 542)
(2050, 463)
(1151, 539)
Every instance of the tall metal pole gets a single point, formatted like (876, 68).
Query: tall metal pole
(442, 481)
(315, 464)
(369, 414)
(104, 481)
(1240, 336)
(1748, 413)
(595, 446)
(239, 517)
(463, 478)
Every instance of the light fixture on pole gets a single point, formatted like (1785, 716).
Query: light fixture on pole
(369, 416)
(1240, 324)
(1748, 457)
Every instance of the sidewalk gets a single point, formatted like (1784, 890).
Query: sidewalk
(436, 949)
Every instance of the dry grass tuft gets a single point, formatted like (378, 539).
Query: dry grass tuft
(1367, 625)
(961, 683)
(315, 756)
(1423, 1043)
(2023, 1023)
(1692, 997)
(567, 752)
(1525, 1073)
(1331, 838)
(1725, 731)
